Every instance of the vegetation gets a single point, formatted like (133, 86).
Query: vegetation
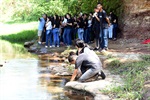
(20, 37)
(29, 10)
(12, 37)
(134, 74)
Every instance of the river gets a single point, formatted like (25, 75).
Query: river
(22, 77)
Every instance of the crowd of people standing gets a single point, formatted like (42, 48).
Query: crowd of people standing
(96, 26)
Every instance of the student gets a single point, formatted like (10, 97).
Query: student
(90, 66)
(85, 22)
(96, 28)
(56, 32)
(48, 32)
(41, 27)
(80, 27)
(67, 31)
(89, 28)
(104, 24)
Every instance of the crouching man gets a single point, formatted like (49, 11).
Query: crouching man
(88, 65)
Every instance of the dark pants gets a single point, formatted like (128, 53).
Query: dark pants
(67, 36)
(115, 26)
(97, 39)
(56, 36)
(49, 37)
(43, 36)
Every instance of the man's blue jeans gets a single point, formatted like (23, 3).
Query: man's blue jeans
(88, 74)
(49, 37)
(67, 36)
(110, 30)
(80, 33)
(104, 38)
(56, 36)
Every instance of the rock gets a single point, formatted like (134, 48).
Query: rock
(59, 70)
(32, 49)
(136, 19)
(43, 50)
(91, 87)
(28, 44)
(101, 97)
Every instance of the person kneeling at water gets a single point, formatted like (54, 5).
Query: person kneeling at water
(90, 66)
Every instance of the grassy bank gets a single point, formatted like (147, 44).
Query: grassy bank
(134, 74)
(12, 37)
(18, 32)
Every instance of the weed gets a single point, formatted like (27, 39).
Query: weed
(134, 75)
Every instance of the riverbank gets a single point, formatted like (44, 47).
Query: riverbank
(123, 60)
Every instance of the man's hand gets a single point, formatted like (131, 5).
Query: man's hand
(74, 75)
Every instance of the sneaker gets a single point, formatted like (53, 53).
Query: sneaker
(50, 46)
(106, 48)
(57, 45)
(39, 42)
(53, 45)
(46, 46)
(68, 46)
(102, 75)
(114, 39)
(96, 48)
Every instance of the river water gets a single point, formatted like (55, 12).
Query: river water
(23, 79)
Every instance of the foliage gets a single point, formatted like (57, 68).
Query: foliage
(134, 75)
(32, 10)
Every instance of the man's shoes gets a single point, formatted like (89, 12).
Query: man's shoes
(95, 49)
(103, 75)
(100, 74)
(114, 39)
(39, 42)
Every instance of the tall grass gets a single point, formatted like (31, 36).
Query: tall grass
(134, 75)
(18, 32)
(20, 37)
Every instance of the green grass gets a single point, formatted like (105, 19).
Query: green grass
(134, 74)
(20, 37)
(13, 36)
(18, 32)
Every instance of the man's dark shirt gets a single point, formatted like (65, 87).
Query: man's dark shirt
(69, 21)
(102, 16)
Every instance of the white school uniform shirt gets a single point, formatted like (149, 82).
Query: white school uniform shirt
(49, 25)
(89, 23)
(65, 20)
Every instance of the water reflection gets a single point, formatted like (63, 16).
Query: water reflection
(20, 79)
(11, 51)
